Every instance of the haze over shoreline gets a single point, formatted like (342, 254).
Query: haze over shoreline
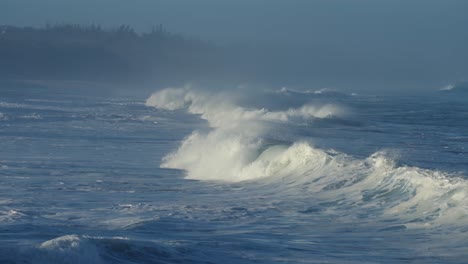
(354, 45)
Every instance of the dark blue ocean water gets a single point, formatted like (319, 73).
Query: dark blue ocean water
(271, 177)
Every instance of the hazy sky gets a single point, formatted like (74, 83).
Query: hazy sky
(262, 19)
(413, 37)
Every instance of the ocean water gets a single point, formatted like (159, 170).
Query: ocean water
(274, 176)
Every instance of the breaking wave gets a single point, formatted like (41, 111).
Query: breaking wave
(219, 111)
(237, 149)
(461, 87)
(320, 92)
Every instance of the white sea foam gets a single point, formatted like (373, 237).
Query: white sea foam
(457, 87)
(321, 91)
(12, 105)
(32, 116)
(10, 215)
(219, 111)
(68, 249)
(235, 150)
(229, 151)
(448, 87)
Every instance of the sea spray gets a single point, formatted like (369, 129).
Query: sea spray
(230, 150)
(235, 150)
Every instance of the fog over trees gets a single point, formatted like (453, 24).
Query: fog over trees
(122, 55)
(91, 53)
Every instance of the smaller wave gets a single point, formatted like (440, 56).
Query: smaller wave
(3, 117)
(447, 87)
(69, 249)
(74, 249)
(11, 215)
(12, 105)
(461, 87)
(327, 92)
(49, 101)
(31, 116)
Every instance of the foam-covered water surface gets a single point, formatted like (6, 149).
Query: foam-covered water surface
(190, 176)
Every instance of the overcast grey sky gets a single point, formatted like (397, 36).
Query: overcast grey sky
(413, 37)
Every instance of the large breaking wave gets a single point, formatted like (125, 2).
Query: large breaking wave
(238, 147)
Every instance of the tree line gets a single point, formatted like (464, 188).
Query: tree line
(77, 52)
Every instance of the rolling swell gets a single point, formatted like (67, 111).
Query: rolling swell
(238, 148)
(75, 249)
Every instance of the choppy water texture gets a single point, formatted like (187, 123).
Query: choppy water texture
(235, 177)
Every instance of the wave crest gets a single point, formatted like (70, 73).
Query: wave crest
(219, 111)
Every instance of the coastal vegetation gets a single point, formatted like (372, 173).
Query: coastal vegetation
(77, 52)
